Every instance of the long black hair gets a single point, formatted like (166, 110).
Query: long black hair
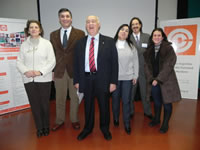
(130, 24)
(130, 43)
(163, 35)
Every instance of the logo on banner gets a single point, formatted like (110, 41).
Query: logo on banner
(3, 28)
(183, 38)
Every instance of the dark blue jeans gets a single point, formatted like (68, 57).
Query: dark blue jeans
(123, 90)
(157, 98)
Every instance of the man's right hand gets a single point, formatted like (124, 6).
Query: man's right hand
(77, 85)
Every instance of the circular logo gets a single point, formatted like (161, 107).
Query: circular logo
(3, 27)
(182, 39)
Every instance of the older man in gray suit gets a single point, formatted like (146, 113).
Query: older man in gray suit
(140, 41)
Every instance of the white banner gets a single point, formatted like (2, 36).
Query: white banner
(185, 36)
(12, 93)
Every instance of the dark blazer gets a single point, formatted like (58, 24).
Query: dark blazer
(166, 76)
(107, 63)
(64, 57)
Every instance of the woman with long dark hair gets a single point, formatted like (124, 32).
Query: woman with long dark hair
(128, 74)
(162, 83)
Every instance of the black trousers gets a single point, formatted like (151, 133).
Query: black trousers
(39, 96)
(91, 91)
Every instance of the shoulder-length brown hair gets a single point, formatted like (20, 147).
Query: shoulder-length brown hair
(28, 25)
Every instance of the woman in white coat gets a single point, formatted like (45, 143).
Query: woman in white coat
(36, 61)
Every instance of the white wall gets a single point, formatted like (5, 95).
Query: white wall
(112, 13)
(167, 10)
(18, 9)
(27, 9)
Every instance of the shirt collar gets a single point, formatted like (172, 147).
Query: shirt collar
(68, 29)
(138, 35)
(96, 37)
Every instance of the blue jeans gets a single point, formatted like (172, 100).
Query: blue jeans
(123, 90)
(157, 98)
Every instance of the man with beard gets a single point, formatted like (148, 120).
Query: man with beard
(140, 41)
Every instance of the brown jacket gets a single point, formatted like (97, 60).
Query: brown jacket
(64, 57)
(166, 77)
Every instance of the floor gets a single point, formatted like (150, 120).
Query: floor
(17, 132)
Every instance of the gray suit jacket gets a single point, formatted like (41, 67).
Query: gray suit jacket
(144, 38)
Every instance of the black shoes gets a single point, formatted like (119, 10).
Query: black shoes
(116, 123)
(154, 123)
(149, 116)
(83, 135)
(43, 132)
(107, 135)
(164, 129)
(39, 133)
(46, 131)
(128, 130)
(131, 116)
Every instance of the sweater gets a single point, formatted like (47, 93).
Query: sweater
(128, 61)
(38, 57)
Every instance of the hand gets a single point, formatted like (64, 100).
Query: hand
(154, 83)
(37, 73)
(76, 86)
(134, 81)
(112, 87)
(29, 74)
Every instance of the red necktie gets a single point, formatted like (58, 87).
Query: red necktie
(91, 56)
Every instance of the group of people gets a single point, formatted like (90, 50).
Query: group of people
(97, 65)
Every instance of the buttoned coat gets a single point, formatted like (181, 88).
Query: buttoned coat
(64, 56)
(166, 76)
(107, 62)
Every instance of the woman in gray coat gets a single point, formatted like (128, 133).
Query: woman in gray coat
(162, 83)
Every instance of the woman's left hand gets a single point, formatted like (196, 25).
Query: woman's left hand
(37, 73)
(134, 81)
(154, 83)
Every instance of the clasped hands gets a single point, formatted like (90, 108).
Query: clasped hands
(154, 83)
(32, 73)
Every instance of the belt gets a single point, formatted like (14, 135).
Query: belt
(90, 73)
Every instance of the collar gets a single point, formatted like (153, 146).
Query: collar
(138, 35)
(29, 37)
(96, 37)
(68, 29)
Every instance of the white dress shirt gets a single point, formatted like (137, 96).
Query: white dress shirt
(96, 45)
(138, 35)
(62, 31)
